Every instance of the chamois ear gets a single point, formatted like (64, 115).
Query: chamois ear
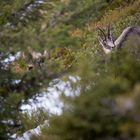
(46, 54)
(101, 41)
(102, 34)
(102, 38)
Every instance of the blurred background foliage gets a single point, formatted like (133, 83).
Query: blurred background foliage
(108, 105)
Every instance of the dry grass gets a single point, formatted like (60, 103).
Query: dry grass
(115, 15)
(110, 17)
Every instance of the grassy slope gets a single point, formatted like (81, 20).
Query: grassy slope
(69, 31)
(69, 28)
(118, 14)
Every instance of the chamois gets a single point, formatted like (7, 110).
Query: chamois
(35, 59)
(108, 43)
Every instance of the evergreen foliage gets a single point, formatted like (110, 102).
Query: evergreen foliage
(107, 107)
(108, 104)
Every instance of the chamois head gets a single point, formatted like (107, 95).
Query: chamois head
(35, 59)
(106, 40)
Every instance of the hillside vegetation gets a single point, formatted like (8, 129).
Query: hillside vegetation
(108, 105)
